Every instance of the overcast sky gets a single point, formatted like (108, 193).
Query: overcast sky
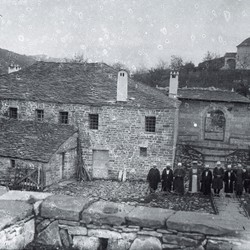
(135, 32)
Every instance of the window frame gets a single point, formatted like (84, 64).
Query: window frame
(13, 110)
(40, 119)
(94, 121)
(150, 124)
(64, 117)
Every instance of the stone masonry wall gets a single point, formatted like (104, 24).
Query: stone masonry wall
(84, 224)
(121, 131)
(237, 120)
(55, 170)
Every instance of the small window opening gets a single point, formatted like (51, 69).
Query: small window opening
(64, 117)
(12, 163)
(93, 121)
(39, 114)
(150, 122)
(13, 113)
(143, 151)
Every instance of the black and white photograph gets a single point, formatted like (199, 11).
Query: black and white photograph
(124, 124)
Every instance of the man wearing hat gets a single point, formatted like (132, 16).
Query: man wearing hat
(179, 175)
(206, 180)
(229, 179)
(153, 178)
(218, 174)
(167, 178)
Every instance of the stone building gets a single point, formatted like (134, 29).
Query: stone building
(124, 125)
(214, 123)
(239, 59)
(48, 148)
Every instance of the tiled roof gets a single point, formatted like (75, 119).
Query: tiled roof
(90, 84)
(246, 42)
(230, 54)
(32, 140)
(211, 95)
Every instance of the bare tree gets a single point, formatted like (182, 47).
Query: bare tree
(77, 58)
(176, 63)
(210, 56)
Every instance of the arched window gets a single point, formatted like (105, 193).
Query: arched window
(215, 125)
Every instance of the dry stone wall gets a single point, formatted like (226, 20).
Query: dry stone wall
(70, 222)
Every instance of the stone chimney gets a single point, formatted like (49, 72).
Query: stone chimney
(122, 86)
(173, 84)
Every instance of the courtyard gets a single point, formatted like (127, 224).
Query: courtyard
(133, 193)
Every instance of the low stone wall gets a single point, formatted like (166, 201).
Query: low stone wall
(77, 223)
(67, 221)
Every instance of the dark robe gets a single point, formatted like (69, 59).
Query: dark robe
(153, 178)
(239, 178)
(206, 181)
(218, 174)
(246, 178)
(179, 175)
(229, 181)
(167, 179)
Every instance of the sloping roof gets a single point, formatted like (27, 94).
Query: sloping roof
(32, 140)
(246, 42)
(211, 95)
(74, 83)
(230, 54)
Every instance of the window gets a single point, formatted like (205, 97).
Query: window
(13, 113)
(122, 74)
(12, 163)
(39, 114)
(63, 117)
(93, 121)
(150, 123)
(143, 151)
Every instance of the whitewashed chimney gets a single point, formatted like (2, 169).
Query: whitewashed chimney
(173, 84)
(122, 86)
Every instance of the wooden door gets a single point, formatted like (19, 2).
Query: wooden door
(100, 164)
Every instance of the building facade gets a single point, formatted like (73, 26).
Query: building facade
(121, 129)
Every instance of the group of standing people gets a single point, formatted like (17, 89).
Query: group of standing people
(169, 179)
(232, 179)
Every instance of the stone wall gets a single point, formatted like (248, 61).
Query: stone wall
(17, 224)
(194, 112)
(56, 170)
(121, 131)
(66, 221)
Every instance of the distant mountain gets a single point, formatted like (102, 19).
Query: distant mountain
(46, 58)
(8, 57)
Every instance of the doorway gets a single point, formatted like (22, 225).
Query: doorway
(100, 164)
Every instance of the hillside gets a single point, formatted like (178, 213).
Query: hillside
(8, 57)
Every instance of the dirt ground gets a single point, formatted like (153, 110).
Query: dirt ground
(133, 193)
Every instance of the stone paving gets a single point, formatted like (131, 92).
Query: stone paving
(132, 193)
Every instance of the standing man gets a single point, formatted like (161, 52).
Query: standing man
(246, 177)
(229, 179)
(217, 183)
(239, 181)
(179, 175)
(206, 180)
(167, 178)
(153, 178)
